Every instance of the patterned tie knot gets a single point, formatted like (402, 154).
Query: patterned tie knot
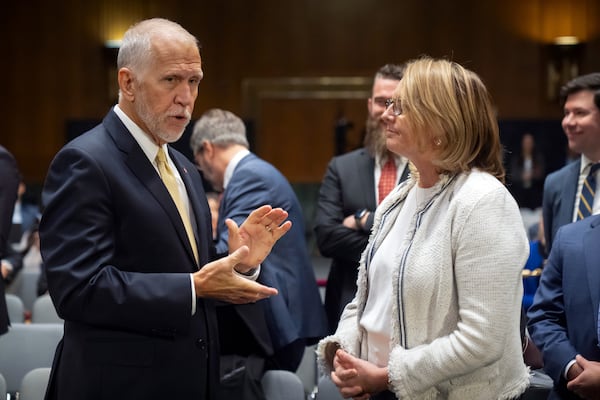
(588, 191)
(387, 180)
(390, 164)
(160, 156)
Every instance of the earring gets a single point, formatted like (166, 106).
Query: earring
(437, 141)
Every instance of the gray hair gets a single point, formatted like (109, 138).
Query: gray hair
(219, 127)
(136, 49)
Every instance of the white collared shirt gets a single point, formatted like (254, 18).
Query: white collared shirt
(235, 160)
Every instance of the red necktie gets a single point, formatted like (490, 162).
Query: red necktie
(387, 180)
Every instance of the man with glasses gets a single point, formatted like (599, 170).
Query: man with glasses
(271, 334)
(352, 187)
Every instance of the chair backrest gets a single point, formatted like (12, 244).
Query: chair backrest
(307, 370)
(16, 308)
(25, 286)
(2, 387)
(26, 347)
(327, 390)
(282, 385)
(540, 386)
(43, 311)
(33, 386)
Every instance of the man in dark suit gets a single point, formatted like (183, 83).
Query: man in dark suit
(563, 319)
(581, 122)
(127, 243)
(9, 181)
(349, 195)
(24, 223)
(295, 318)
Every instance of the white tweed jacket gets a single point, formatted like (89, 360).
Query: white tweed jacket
(457, 294)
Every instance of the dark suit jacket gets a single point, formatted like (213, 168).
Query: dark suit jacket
(21, 235)
(348, 186)
(297, 312)
(563, 318)
(560, 188)
(29, 216)
(9, 182)
(118, 265)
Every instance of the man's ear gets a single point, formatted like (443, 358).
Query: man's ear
(208, 149)
(126, 84)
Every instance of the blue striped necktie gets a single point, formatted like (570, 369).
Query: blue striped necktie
(586, 198)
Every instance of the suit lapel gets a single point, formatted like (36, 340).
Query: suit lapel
(568, 192)
(367, 179)
(405, 173)
(591, 240)
(194, 199)
(141, 167)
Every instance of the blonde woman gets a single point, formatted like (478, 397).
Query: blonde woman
(437, 310)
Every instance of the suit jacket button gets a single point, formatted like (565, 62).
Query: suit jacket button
(201, 344)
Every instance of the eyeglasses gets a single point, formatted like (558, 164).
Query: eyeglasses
(396, 106)
(380, 101)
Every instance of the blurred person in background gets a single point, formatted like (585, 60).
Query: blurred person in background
(350, 192)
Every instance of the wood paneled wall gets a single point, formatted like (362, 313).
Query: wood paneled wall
(56, 69)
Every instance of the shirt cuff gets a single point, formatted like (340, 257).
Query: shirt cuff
(251, 274)
(193, 294)
(568, 367)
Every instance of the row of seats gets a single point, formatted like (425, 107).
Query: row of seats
(30, 346)
(43, 310)
(277, 385)
(26, 347)
(33, 386)
(27, 351)
(25, 285)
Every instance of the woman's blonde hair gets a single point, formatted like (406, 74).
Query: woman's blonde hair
(448, 107)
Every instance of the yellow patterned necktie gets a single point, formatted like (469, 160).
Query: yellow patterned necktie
(588, 191)
(171, 183)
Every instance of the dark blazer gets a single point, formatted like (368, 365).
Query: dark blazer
(29, 215)
(19, 236)
(9, 182)
(563, 318)
(118, 265)
(560, 189)
(297, 312)
(348, 186)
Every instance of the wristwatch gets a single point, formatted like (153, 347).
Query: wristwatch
(358, 217)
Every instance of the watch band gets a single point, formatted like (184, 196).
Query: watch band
(358, 218)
